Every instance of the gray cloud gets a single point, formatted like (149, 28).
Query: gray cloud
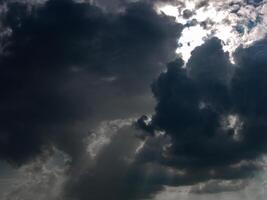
(216, 186)
(42, 178)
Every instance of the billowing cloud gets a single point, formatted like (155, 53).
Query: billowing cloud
(213, 111)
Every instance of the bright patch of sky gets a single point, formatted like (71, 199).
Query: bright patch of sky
(235, 22)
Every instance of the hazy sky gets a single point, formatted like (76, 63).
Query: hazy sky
(133, 99)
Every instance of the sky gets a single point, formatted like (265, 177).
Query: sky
(133, 99)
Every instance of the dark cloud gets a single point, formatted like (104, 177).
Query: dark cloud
(213, 111)
(253, 2)
(187, 14)
(203, 3)
(68, 66)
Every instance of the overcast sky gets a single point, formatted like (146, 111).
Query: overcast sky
(133, 99)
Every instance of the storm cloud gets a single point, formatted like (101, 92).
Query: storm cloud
(68, 65)
(76, 75)
(213, 111)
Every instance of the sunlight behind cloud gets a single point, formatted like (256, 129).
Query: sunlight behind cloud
(234, 22)
(190, 39)
(169, 10)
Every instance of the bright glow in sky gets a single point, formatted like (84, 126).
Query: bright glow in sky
(169, 10)
(222, 19)
(191, 38)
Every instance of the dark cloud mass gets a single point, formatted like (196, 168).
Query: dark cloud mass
(68, 65)
(214, 111)
(75, 75)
